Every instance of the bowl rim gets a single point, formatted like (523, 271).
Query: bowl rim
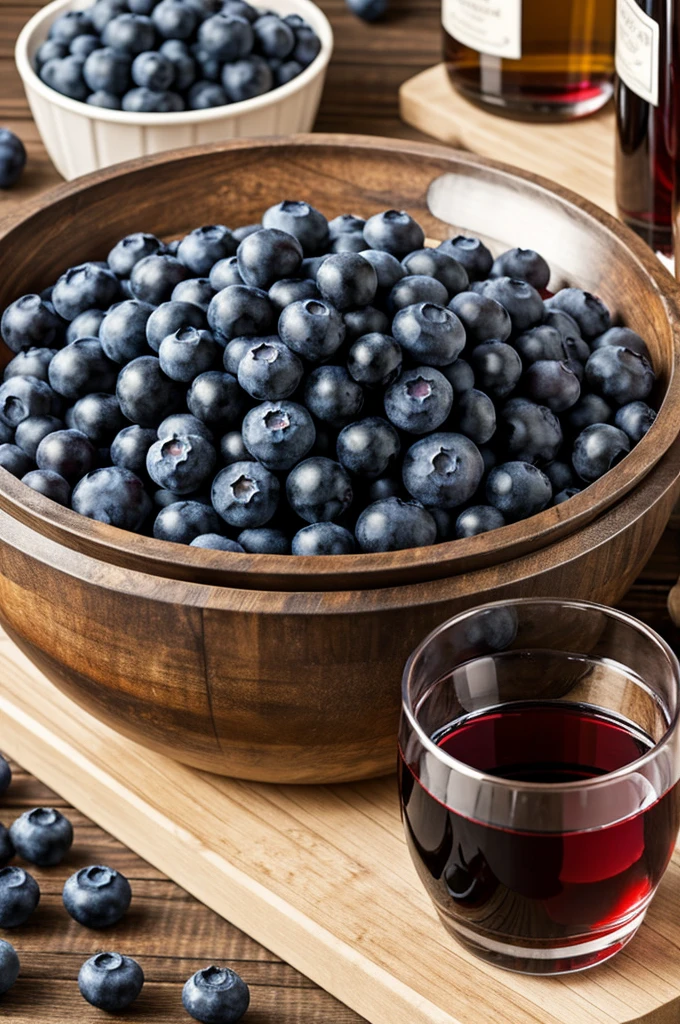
(46, 15)
(385, 569)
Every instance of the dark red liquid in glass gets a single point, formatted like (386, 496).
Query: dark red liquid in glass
(529, 885)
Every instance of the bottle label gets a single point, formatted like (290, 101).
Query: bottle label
(637, 51)
(493, 27)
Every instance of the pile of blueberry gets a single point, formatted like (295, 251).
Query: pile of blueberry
(146, 55)
(96, 897)
(316, 387)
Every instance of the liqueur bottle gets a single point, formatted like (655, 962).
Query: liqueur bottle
(549, 60)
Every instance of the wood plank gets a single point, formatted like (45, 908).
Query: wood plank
(320, 875)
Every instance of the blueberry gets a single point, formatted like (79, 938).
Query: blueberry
(310, 266)
(634, 419)
(87, 286)
(9, 966)
(368, 320)
(130, 250)
(245, 229)
(319, 490)
(5, 775)
(565, 495)
(522, 265)
(182, 423)
(460, 376)
(69, 26)
(286, 72)
(240, 311)
(332, 396)
(474, 415)
(205, 246)
(153, 278)
(151, 70)
(215, 397)
(300, 219)
(622, 337)
(51, 49)
(6, 434)
(307, 45)
(51, 485)
(518, 490)
(246, 78)
(589, 409)
(110, 982)
(419, 401)
(141, 6)
(19, 894)
(264, 540)
(112, 495)
(180, 522)
(529, 432)
(430, 333)
(519, 298)
(552, 383)
(345, 224)
(375, 360)
(478, 519)
(227, 37)
(312, 328)
(267, 256)
(224, 273)
(129, 448)
(187, 353)
(236, 350)
(472, 253)
(174, 19)
(273, 37)
(347, 281)
(395, 232)
(269, 370)
(564, 324)
(14, 460)
(21, 397)
(598, 449)
(497, 367)
(242, 8)
(196, 290)
(483, 318)
(67, 452)
(415, 289)
(145, 394)
(443, 470)
(323, 539)
(142, 100)
(245, 494)
(85, 325)
(589, 312)
(437, 264)
(12, 158)
(214, 542)
(619, 374)
(130, 33)
(81, 368)
(122, 332)
(98, 416)
(560, 475)
(392, 525)
(97, 896)
(170, 317)
(540, 343)
(183, 64)
(232, 448)
(42, 836)
(288, 290)
(368, 447)
(108, 70)
(216, 995)
(181, 462)
(368, 10)
(29, 322)
(387, 267)
(278, 434)
(65, 76)
(105, 11)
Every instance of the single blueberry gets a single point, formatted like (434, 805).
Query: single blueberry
(236, 350)
(273, 37)
(153, 278)
(81, 368)
(181, 462)
(174, 19)
(560, 475)
(552, 383)
(216, 995)
(29, 322)
(323, 539)
(474, 415)
(12, 158)
(22, 397)
(483, 318)
(598, 449)
(215, 398)
(345, 224)
(307, 45)
(269, 371)
(430, 333)
(540, 343)
(85, 325)
(565, 495)
(51, 485)
(129, 448)
(51, 49)
(245, 494)
(240, 311)
(497, 367)
(105, 11)
(589, 312)
(69, 26)
(226, 37)
(112, 495)
(478, 519)
(439, 265)
(87, 286)
(67, 452)
(182, 423)
(187, 353)
(224, 273)
(180, 522)
(110, 982)
(130, 250)
(375, 360)
(122, 332)
(130, 33)
(622, 337)
(472, 253)
(368, 447)
(589, 409)
(387, 267)
(205, 246)
(419, 401)
(264, 540)
(151, 70)
(214, 542)
(14, 460)
(42, 836)
(145, 394)
(267, 256)
(288, 290)
(619, 374)
(443, 470)
(634, 419)
(332, 396)
(196, 290)
(519, 298)
(393, 525)
(319, 489)
(97, 896)
(394, 231)
(301, 220)
(247, 78)
(518, 490)
(529, 432)
(278, 434)
(522, 265)
(347, 281)
(183, 64)
(313, 328)
(98, 416)
(415, 289)
(170, 317)
(368, 320)
(19, 895)
(65, 75)
(108, 70)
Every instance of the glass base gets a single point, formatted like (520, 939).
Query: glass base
(546, 960)
(567, 107)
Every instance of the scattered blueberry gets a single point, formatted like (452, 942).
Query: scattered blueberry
(9, 966)
(110, 982)
(42, 836)
(12, 158)
(216, 995)
(97, 896)
(19, 893)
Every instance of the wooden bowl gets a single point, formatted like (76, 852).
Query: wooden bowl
(288, 669)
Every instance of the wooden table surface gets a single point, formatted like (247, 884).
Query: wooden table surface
(170, 932)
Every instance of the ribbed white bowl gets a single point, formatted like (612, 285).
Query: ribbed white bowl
(81, 138)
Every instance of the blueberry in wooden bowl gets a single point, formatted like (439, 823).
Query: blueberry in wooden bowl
(285, 667)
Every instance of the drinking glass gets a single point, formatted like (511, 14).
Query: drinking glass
(539, 762)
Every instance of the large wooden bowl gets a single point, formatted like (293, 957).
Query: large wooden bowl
(288, 669)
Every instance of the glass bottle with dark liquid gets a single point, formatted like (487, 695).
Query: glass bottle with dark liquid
(531, 59)
(645, 123)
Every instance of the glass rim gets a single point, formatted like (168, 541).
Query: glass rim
(600, 781)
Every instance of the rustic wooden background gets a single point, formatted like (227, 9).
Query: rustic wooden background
(169, 932)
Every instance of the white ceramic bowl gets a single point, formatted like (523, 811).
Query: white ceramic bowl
(81, 138)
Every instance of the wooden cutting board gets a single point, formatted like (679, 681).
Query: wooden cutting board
(319, 875)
